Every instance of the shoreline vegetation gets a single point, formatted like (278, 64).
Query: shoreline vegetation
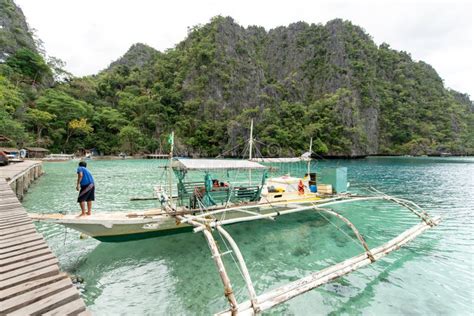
(144, 156)
(328, 82)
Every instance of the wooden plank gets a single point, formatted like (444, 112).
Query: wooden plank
(16, 229)
(12, 199)
(26, 265)
(19, 233)
(31, 285)
(14, 222)
(30, 297)
(7, 195)
(12, 208)
(20, 240)
(34, 275)
(11, 217)
(5, 203)
(25, 256)
(13, 213)
(32, 243)
(5, 191)
(72, 308)
(29, 268)
(49, 303)
(24, 250)
(8, 207)
(10, 222)
(8, 240)
(9, 231)
(14, 203)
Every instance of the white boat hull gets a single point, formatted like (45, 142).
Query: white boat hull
(119, 226)
(115, 227)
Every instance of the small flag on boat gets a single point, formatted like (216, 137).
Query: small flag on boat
(171, 138)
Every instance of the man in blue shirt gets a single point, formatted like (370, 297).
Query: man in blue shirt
(85, 186)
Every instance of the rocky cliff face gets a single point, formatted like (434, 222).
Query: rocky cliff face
(328, 82)
(138, 56)
(14, 31)
(231, 69)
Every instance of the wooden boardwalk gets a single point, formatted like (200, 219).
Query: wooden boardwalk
(30, 279)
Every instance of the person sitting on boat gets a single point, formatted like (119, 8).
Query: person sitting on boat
(86, 188)
(300, 188)
(215, 183)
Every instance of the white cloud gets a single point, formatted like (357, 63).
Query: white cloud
(89, 34)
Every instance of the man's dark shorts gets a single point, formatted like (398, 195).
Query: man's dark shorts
(87, 193)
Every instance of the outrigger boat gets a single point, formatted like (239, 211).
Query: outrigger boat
(234, 201)
(209, 205)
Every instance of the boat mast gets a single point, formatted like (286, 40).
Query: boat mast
(250, 150)
(170, 170)
(309, 160)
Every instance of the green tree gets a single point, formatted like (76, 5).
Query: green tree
(78, 127)
(12, 128)
(66, 109)
(40, 120)
(11, 98)
(30, 64)
(131, 138)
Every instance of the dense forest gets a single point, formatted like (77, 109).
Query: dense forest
(330, 82)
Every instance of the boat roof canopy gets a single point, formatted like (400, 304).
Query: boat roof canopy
(285, 159)
(215, 164)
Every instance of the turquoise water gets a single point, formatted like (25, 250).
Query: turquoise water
(175, 275)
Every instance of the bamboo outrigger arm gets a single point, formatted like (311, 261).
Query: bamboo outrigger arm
(354, 229)
(214, 223)
(316, 279)
(257, 304)
(216, 255)
(243, 268)
(409, 205)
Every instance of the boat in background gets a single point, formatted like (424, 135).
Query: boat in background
(58, 157)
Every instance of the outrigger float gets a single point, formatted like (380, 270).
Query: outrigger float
(211, 204)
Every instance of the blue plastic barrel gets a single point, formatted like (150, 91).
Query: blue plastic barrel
(313, 188)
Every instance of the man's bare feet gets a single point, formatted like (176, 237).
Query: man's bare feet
(82, 214)
(88, 213)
